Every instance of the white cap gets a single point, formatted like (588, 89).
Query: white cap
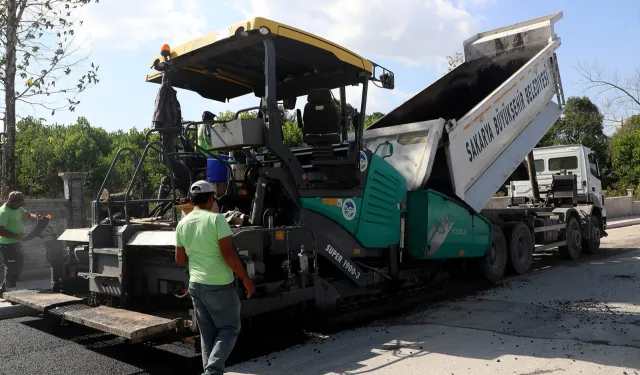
(202, 186)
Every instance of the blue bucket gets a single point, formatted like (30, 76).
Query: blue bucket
(216, 170)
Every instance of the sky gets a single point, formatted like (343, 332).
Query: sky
(409, 37)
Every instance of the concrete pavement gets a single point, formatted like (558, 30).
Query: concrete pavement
(576, 318)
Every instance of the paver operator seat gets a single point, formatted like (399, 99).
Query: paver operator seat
(321, 119)
(321, 131)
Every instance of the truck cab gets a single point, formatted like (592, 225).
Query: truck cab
(575, 159)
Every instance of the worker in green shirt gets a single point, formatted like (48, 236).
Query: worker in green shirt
(204, 134)
(204, 240)
(12, 215)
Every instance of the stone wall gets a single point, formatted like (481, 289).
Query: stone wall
(619, 207)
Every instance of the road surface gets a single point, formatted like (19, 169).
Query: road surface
(580, 317)
(574, 318)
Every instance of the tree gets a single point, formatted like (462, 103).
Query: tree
(43, 151)
(371, 118)
(582, 123)
(625, 158)
(627, 126)
(454, 61)
(38, 45)
(620, 95)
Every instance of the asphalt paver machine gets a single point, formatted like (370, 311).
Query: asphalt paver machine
(355, 213)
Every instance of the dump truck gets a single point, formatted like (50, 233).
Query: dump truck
(575, 158)
(353, 215)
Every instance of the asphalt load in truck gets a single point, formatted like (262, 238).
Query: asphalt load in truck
(456, 93)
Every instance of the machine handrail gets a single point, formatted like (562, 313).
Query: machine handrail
(135, 174)
(113, 163)
(160, 130)
(237, 115)
(187, 125)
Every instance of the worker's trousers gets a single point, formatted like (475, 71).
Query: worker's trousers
(13, 260)
(217, 309)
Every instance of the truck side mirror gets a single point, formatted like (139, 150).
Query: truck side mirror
(289, 103)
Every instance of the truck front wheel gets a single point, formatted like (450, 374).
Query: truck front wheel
(573, 236)
(591, 245)
(520, 242)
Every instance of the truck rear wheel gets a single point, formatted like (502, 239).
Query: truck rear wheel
(495, 260)
(520, 244)
(573, 236)
(592, 245)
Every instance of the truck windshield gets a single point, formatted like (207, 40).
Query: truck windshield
(567, 162)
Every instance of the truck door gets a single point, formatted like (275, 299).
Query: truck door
(594, 184)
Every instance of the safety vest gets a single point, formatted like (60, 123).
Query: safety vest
(204, 139)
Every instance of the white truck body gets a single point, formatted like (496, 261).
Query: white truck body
(488, 142)
(576, 159)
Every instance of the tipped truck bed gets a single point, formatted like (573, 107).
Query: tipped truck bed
(497, 104)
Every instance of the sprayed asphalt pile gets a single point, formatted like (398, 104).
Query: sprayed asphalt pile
(457, 92)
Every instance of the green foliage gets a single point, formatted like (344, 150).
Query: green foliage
(292, 134)
(625, 157)
(152, 169)
(45, 150)
(371, 118)
(621, 149)
(632, 123)
(629, 125)
(583, 123)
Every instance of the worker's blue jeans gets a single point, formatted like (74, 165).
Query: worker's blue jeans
(217, 309)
